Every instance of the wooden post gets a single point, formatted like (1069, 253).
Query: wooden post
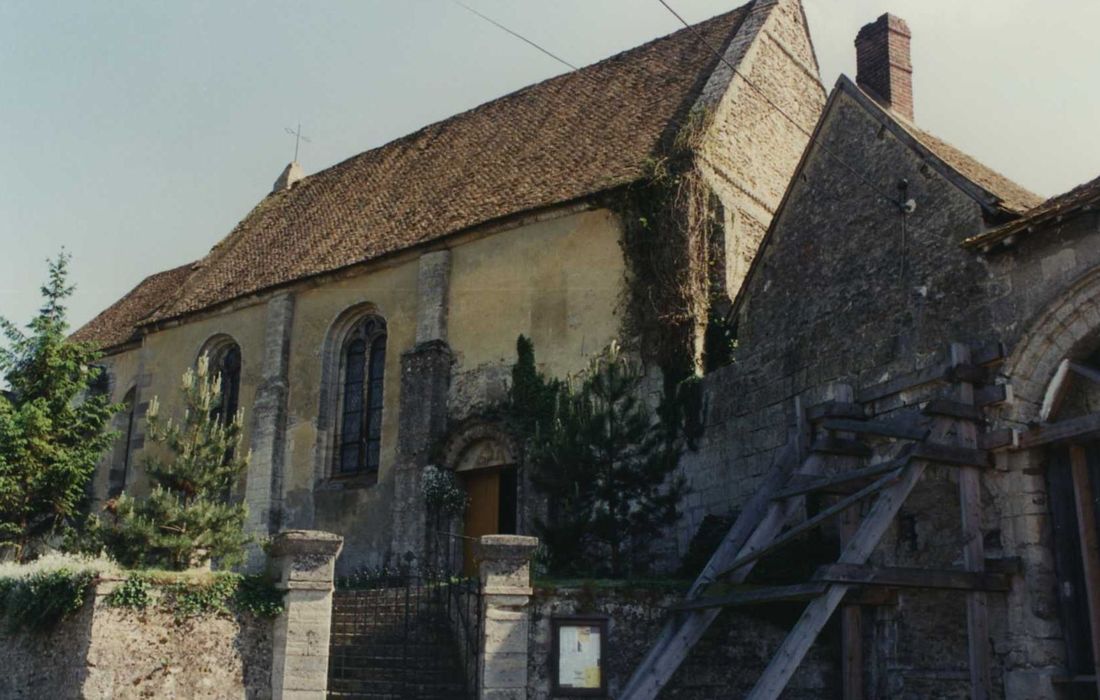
(851, 624)
(851, 616)
(970, 505)
(1090, 557)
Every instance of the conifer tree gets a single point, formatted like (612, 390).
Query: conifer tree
(51, 423)
(187, 520)
(607, 469)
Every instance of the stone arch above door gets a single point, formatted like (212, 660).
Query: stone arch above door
(479, 445)
(1067, 328)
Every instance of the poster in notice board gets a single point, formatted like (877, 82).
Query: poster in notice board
(579, 650)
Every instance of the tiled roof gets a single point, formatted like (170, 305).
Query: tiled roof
(117, 324)
(1012, 196)
(1054, 209)
(559, 140)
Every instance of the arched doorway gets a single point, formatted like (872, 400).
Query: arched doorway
(1055, 373)
(1071, 402)
(484, 459)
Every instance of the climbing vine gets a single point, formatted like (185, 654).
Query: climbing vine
(222, 593)
(670, 226)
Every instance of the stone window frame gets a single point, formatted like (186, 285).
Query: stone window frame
(216, 348)
(333, 371)
(122, 455)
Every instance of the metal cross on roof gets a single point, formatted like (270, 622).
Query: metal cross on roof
(298, 138)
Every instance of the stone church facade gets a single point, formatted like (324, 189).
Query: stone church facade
(419, 263)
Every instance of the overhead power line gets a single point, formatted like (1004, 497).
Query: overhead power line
(517, 35)
(866, 181)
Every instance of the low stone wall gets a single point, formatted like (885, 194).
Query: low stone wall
(105, 652)
(726, 662)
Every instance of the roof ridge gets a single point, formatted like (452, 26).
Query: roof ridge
(621, 55)
(1011, 198)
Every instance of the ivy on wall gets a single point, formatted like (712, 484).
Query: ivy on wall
(221, 593)
(670, 226)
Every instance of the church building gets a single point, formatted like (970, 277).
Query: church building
(364, 315)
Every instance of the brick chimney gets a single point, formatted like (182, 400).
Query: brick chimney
(883, 67)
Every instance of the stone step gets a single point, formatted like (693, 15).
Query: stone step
(389, 620)
(392, 639)
(395, 674)
(450, 689)
(392, 653)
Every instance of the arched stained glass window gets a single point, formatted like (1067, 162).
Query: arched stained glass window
(226, 361)
(363, 363)
(123, 452)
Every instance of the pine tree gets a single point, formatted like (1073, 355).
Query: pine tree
(52, 423)
(187, 520)
(607, 469)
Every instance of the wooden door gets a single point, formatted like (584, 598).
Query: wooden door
(482, 512)
(1078, 617)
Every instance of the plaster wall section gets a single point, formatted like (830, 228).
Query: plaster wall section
(558, 281)
(311, 497)
(158, 365)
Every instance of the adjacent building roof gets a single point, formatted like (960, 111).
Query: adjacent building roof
(995, 193)
(117, 324)
(1013, 197)
(993, 189)
(1081, 198)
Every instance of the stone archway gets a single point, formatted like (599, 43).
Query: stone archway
(1068, 328)
(485, 458)
(1064, 460)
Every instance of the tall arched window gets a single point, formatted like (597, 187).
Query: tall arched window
(223, 357)
(363, 366)
(226, 361)
(123, 452)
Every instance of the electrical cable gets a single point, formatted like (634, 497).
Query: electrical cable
(519, 36)
(779, 109)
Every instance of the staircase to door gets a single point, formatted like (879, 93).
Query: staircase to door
(405, 637)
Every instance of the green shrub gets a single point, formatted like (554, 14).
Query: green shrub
(39, 601)
(135, 592)
(222, 594)
(258, 595)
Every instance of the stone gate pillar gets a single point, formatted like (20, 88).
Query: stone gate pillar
(303, 562)
(504, 566)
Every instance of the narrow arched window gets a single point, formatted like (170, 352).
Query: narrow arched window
(363, 366)
(123, 452)
(226, 362)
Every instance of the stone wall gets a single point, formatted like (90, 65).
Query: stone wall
(724, 664)
(848, 291)
(751, 150)
(105, 652)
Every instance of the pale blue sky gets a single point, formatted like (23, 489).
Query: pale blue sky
(137, 133)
